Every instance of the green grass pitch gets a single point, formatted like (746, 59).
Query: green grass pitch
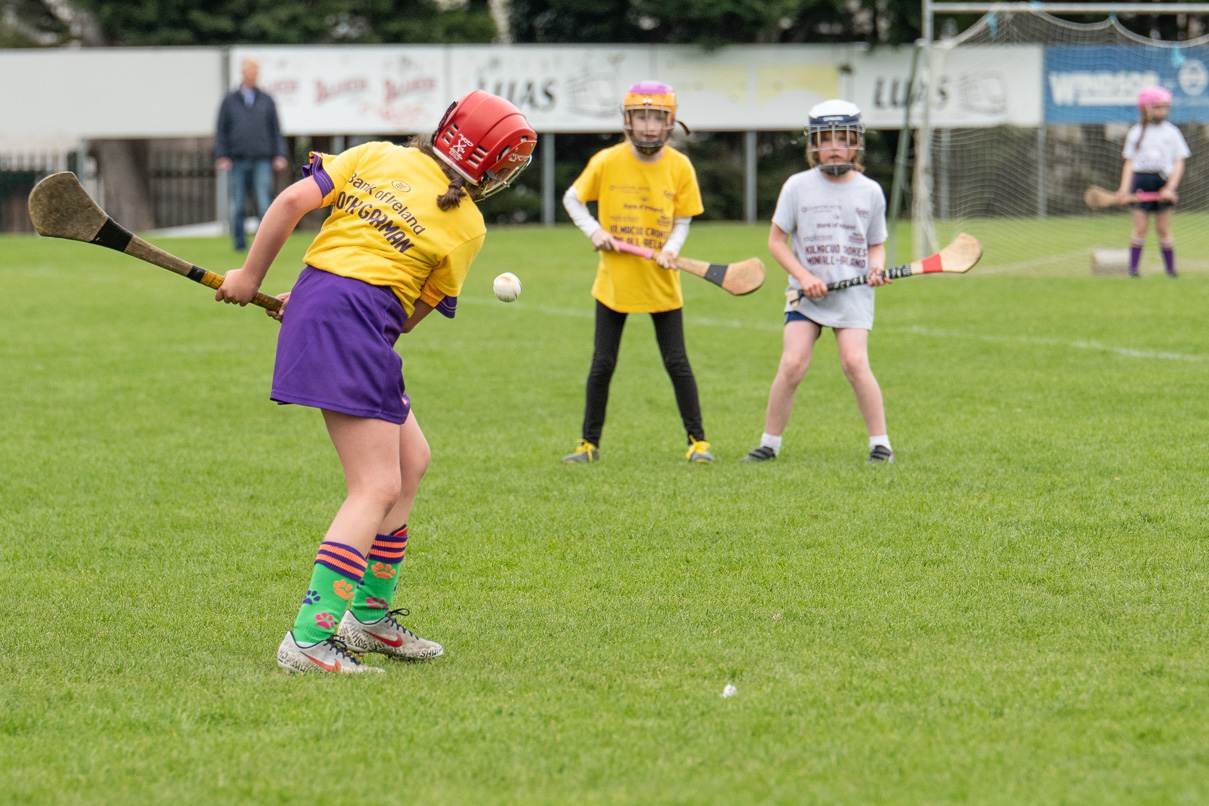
(1013, 613)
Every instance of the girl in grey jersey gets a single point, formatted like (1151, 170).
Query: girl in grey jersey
(830, 224)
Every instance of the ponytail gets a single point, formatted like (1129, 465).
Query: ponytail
(452, 197)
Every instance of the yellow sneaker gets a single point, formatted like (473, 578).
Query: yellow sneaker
(584, 452)
(699, 452)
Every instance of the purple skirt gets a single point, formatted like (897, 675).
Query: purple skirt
(336, 349)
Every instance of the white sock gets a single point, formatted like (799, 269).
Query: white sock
(881, 439)
(769, 441)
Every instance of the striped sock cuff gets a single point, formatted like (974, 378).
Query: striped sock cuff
(344, 560)
(389, 548)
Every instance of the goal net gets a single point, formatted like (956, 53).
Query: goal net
(1067, 94)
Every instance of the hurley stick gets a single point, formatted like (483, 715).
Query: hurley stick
(61, 208)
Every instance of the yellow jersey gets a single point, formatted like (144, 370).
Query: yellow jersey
(636, 203)
(385, 227)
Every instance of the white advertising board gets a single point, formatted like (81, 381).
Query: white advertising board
(975, 86)
(751, 87)
(351, 89)
(176, 92)
(110, 92)
(559, 88)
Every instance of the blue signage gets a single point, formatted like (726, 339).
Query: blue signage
(1100, 83)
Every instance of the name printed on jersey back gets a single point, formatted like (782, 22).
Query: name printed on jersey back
(370, 203)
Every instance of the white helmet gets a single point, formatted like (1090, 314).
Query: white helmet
(833, 117)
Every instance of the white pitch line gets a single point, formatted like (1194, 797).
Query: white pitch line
(1033, 263)
(1078, 344)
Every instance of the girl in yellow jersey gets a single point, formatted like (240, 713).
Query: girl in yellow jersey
(646, 194)
(397, 245)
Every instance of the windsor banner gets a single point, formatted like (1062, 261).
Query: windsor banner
(1099, 84)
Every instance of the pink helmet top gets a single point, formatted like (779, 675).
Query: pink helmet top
(650, 88)
(1153, 96)
(651, 96)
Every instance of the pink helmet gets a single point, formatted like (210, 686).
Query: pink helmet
(1153, 96)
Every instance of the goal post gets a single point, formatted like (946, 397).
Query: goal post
(1054, 101)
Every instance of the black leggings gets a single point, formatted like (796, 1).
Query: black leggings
(669, 332)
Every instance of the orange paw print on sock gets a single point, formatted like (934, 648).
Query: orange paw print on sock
(343, 589)
(382, 571)
(325, 620)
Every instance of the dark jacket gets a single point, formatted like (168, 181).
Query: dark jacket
(248, 132)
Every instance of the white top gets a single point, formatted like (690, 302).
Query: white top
(831, 227)
(1161, 146)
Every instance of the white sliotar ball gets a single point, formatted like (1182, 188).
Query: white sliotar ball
(507, 287)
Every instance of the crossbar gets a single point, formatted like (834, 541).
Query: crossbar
(939, 6)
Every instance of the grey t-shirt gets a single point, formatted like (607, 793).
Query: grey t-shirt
(831, 227)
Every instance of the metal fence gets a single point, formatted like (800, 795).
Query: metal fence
(19, 172)
(182, 185)
(182, 175)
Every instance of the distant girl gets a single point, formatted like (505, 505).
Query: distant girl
(1154, 161)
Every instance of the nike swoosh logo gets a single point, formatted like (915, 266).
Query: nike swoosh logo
(331, 667)
(398, 641)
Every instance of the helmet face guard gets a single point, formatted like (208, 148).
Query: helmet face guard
(503, 175)
(486, 140)
(840, 121)
(652, 97)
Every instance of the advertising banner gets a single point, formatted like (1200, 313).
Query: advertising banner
(974, 86)
(750, 87)
(351, 90)
(1099, 84)
(559, 88)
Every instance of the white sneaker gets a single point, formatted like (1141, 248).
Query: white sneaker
(329, 655)
(386, 637)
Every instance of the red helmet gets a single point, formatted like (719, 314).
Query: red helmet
(485, 139)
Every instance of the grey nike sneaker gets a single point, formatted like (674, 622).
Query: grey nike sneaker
(330, 656)
(386, 636)
(880, 453)
(763, 453)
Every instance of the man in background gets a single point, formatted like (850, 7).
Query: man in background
(249, 146)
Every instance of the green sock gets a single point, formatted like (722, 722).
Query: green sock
(338, 572)
(377, 589)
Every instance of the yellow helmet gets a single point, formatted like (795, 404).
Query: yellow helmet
(650, 95)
